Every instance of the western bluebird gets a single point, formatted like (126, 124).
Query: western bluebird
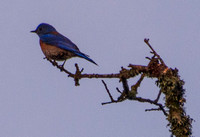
(55, 46)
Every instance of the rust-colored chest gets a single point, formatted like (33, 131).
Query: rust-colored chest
(55, 53)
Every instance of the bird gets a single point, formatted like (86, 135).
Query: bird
(56, 46)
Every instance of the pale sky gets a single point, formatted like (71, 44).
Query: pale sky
(37, 100)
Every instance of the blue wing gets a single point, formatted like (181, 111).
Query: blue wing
(65, 46)
(64, 43)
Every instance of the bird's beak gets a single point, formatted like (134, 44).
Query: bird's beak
(33, 31)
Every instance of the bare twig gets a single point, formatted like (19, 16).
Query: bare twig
(121, 98)
(158, 97)
(118, 90)
(135, 87)
(154, 52)
(152, 102)
(153, 109)
(108, 91)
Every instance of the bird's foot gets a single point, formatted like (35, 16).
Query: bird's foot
(62, 66)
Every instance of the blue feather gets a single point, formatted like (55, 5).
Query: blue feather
(62, 42)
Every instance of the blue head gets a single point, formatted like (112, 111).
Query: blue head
(43, 29)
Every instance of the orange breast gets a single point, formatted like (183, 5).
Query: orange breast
(54, 52)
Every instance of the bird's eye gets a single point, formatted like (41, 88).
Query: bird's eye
(40, 29)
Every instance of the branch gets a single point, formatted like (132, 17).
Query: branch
(158, 97)
(161, 107)
(125, 85)
(108, 91)
(124, 96)
(112, 75)
(154, 52)
(168, 81)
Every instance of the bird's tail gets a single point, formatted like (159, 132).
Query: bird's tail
(82, 55)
